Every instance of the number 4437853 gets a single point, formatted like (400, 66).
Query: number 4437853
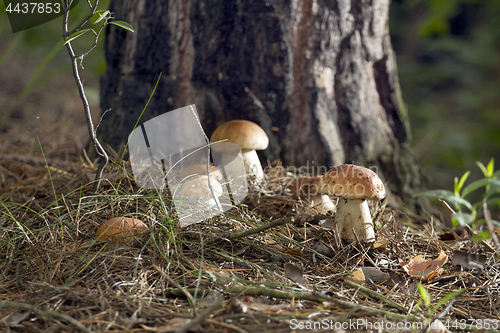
(34, 8)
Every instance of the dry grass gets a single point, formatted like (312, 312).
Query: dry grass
(55, 276)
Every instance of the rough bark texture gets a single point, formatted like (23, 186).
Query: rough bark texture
(318, 75)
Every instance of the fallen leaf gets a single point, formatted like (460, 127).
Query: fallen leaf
(292, 252)
(16, 319)
(294, 273)
(427, 269)
(327, 224)
(212, 297)
(381, 244)
(469, 260)
(446, 236)
(371, 275)
(374, 275)
(357, 276)
(323, 249)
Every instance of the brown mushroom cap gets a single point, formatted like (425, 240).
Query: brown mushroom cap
(201, 169)
(351, 181)
(120, 229)
(198, 187)
(306, 186)
(246, 134)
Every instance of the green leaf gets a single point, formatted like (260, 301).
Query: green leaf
(493, 199)
(425, 295)
(495, 222)
(457, 202)
(483, 168)
(99, 15)
(481, 236)
(460, 183)
(462, 219)
(447, 196)
(75, 35)
(123, 25)
(474, 186)
(494, 189)
(490, 167)
(440, 194)
(447, 298)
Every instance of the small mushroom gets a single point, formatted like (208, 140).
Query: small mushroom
(198, 187)
(308, 188)
(120, 229)
(354, 185)
(201, 169)
(249, 137)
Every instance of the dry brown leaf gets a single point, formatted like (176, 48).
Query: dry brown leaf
(468, 260)
(294, 273)
(381, 244)
(371, 275)
(323, 249)
(357, 276)
(427, 269)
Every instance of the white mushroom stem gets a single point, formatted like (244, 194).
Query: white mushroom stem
(322, 202)
(353, 216)
(213, 202)
(252, 164)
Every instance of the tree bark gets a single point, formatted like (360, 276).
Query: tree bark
(319, 76)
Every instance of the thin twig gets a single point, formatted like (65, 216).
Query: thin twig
(489, 224)
(85, 20)
(226, 325)
(178, 286)
(252, 231)
(314, 297)
(244, 263)
(199, 319)
(376, 295)
(45, 313)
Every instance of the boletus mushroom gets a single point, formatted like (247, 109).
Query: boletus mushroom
(198, 187)
(308, 189)
(249, 137)
(201, 169)
(354, 185)
(121, 229)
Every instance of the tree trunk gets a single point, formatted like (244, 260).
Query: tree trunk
(319, 76)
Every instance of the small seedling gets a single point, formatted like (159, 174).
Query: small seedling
(98, 18)
(463, 211)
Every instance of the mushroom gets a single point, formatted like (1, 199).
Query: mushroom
(120, 229)
(201, 169)
(249, 137)
(354, 185)
(308, 188)
(199, 188)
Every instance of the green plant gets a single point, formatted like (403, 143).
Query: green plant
(96, 17)
(465, 212)
(431, 310)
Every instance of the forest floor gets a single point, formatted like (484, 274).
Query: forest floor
(56, 277)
